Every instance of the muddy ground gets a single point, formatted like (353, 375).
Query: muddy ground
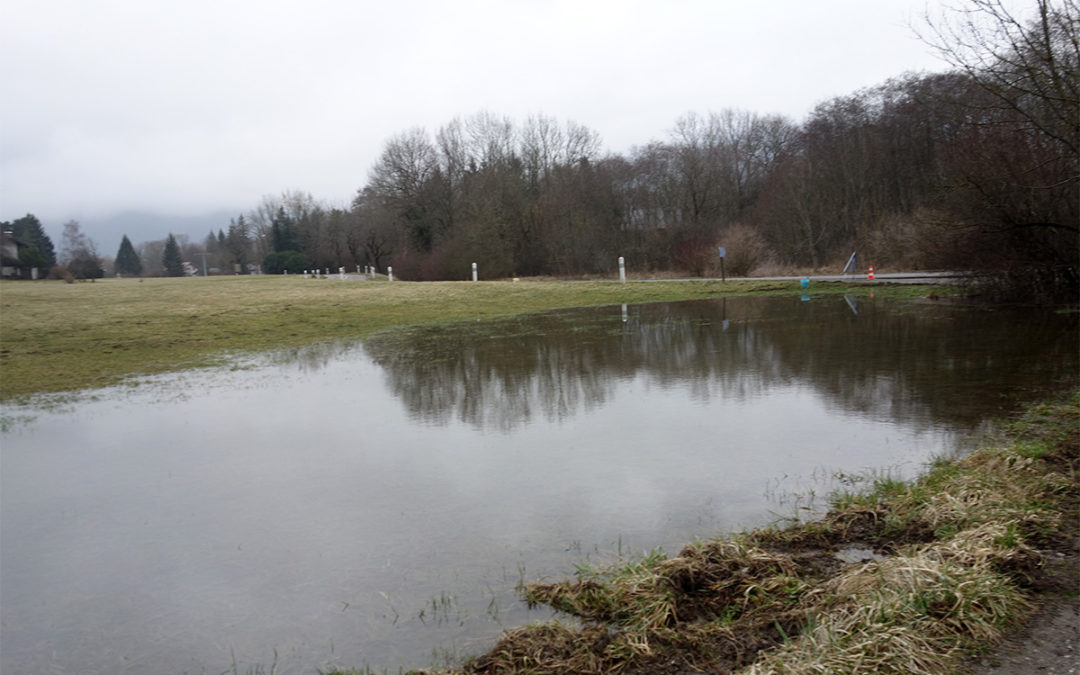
(1049, 644)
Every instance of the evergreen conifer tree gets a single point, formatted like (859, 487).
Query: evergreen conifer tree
(171, 259)
(127, 260)
(29, 230)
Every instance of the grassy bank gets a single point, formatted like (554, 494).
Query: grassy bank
(959, 553)
(59, 337)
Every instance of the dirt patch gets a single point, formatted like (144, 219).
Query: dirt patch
(1050, 640)
(1049, 646)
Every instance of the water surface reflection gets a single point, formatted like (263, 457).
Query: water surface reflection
(919, 363)
(376, 505)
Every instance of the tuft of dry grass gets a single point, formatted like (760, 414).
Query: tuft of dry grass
(719, 579)
(917, 612)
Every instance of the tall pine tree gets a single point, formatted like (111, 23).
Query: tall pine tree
(127, 260)
(28, 229)
(283, 232)
(171, 259)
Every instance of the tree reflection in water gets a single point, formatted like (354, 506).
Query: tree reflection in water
(904, 361)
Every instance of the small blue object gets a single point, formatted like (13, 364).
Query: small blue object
(806, 298)
(805, 283)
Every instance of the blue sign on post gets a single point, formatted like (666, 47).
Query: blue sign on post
(723, 252)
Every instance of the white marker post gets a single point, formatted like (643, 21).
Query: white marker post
(341, 273)
(474, 271)
(389, 273)
(622, 270)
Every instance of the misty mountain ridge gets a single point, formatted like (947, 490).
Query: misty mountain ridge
(141, 226)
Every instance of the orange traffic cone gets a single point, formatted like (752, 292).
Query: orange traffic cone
(870, 277)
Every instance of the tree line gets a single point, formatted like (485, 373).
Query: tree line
(975, 169)
(78, 256)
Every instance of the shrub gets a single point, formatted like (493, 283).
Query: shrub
(919, 240)
(280, 261)
(695, 255)
(746, 249)
(61, 272)
(86, 267)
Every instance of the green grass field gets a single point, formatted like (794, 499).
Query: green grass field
(58, 337)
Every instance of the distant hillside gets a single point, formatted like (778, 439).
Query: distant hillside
(140, 226)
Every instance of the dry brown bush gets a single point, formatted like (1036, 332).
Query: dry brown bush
(61, 272)
(746, 249)
(915, 241)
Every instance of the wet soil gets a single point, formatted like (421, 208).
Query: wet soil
(1049, 643)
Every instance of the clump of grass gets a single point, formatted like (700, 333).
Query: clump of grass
(992, 486)
(915, 613)
(962, 586)
(717, 601)
(1050, 425)
(547, 648)
(715, 579)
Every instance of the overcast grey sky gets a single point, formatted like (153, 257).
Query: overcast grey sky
(182, 107)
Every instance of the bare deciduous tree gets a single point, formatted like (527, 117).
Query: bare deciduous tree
(1015, 169)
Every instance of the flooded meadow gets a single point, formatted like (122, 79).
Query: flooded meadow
(377, 504)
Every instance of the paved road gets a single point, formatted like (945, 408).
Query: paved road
(892, 278)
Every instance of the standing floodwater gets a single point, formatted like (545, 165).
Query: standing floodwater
(376, 505)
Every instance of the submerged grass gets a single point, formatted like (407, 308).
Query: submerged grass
(58, 337)
(964, 546)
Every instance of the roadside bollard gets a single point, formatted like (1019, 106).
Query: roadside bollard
(389, 273)
(474, 271)
(622, 270)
